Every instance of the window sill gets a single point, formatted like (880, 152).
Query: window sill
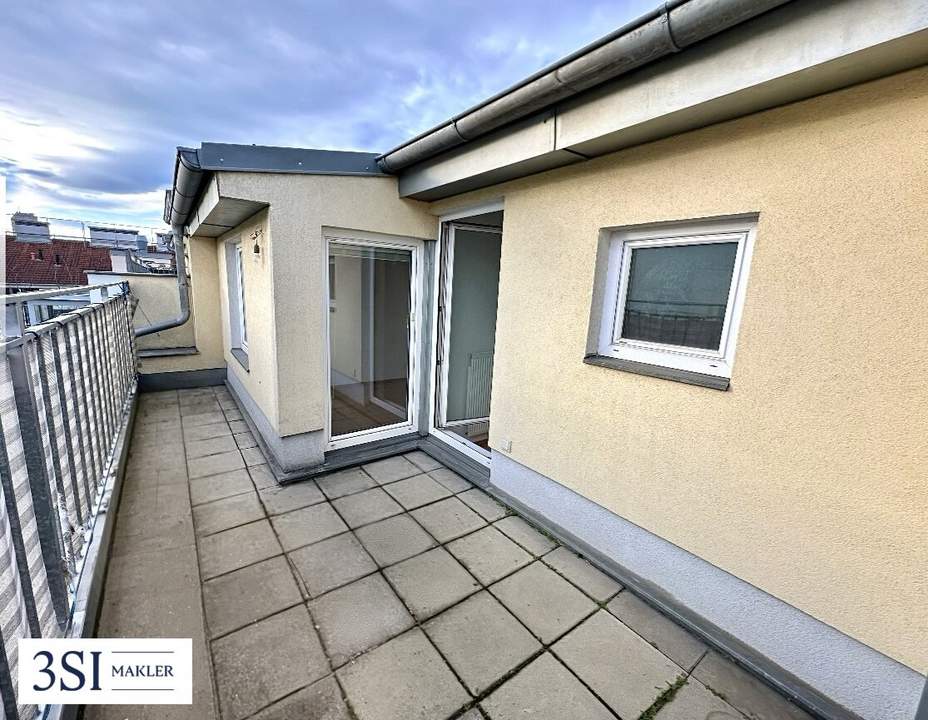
(664, 373)
(241, 356)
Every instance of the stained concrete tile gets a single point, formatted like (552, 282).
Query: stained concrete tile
(404, 679)
(253, 456)
(206, 405)
(694, 702)
(245, 596)
(544, 689)
(515, 528)
(416, 491)
(214, 464)
(238, 426)
(423, 461)
(483, 505)
(262, 477)
(235, 548)
(320, 701)
(481, 640)
(366, 507)
(284, 498)
(391, 469)
(216, 487)
(543, 600)
(331, 563)
(345, 482)
(227, 513)
(245, 440)
(246, 680)
(167, 413)
(431, 582)
(213, 446)
(394, 539)
(232, 414)
(307, 525)
(659, 630)
(357, 617)
(451, 480)
(744, 691)
(206, 418)
(205, 432)
(448, 519)
(581, 573)
(489, 554)
(620, 667)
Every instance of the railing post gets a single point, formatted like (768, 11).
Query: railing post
(44, 507)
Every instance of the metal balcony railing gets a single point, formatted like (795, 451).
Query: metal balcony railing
(67, 388)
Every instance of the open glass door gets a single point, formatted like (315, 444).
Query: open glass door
(372, 337)
(466, 335)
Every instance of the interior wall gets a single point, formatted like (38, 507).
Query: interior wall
(806, 478)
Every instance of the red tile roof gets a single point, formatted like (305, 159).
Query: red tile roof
(59, 262)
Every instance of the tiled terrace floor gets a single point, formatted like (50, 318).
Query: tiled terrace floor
(394, 591)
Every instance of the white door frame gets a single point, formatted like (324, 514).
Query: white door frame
(436, 383)
(411, 424)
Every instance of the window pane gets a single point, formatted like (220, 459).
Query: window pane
(677, 294)
(369, 337)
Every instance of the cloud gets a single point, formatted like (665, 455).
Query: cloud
(99, 93)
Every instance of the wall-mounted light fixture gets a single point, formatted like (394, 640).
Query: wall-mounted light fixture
(255, 236)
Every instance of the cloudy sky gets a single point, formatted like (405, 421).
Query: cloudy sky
(95, 96)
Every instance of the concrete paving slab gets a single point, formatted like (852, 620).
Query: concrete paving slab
(307, 525)
(245, 440)
(451, 480)
(481, 640)
(391, 469)
(544, 689)
(238, 426)
(247, 682)
(202, 448)
(423, 461)
(216, 487)
(366, 507)
(253, 456)
(206, 432)
(284, 498)
(320, 701)
(404, 679)
(516, 529)
(625, 671)
(417, 491)
(483, 505)
(448, 519)
(331, 563)
(357, 617)
(694, 702)
(581, 573)
(663, 633)
(488, 554)
(345, 482)
(214, 464)
(206, 405)
(262, 477)
(232, 549)
(744, 691)
(543, 600)
(394, 539)
(227, 513)
(205, 418)
(431, 582)
(250, 594)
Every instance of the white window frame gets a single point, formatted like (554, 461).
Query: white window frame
(621, 244)
(240, 297)
(411, 423)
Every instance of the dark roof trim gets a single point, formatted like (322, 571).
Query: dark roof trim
(192, 168)
(670, 28)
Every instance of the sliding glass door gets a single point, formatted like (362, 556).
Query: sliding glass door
(372, 337)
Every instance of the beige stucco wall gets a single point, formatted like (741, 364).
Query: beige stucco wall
(157, 300)
(286, 304)
(807, 478)
(205, 325)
